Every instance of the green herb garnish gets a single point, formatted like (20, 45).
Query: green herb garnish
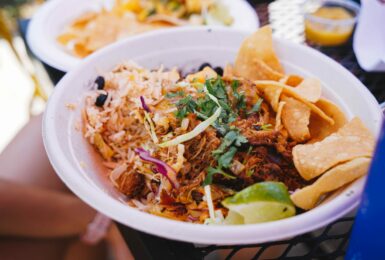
(210, 173)
(232, 137)
(225, 153)
(239, 97)
(224, 161)
(179, 93)
(256, 107)
(185, 106)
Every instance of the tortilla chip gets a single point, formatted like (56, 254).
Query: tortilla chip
(166, 19)
(256, 58)
(261, 84)
(104, 30)
(351, 141)
(295, 118)
(65, 38)
(272, 95)
(80, 50)
(201, 76)
(319, 129)
(335, 178)
(83, 20)
(228, 72)
(278, 117)
(310, 88)
(293, 80)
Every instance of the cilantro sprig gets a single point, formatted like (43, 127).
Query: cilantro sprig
(179, 93)
(210, 174)
(240, 99)
(256, 107)
(185, 106)
(225, 154)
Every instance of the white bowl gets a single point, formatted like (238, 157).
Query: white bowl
(55, 15)
(75, 162)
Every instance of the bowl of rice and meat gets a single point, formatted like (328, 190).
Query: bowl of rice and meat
(265, 148)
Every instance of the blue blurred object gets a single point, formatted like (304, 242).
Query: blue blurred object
(367, 239)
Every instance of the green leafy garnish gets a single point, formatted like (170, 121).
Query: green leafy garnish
(256, 107)
(216, 87)
(179, 93)
(225, 153)
(231, 137)
(239, 97)
(210, 173)
(185, 106)
(224, 161)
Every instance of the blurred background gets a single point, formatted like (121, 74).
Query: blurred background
(24, 84)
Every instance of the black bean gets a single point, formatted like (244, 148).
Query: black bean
(100, 100)
(204, 65)
(219, 71)
(100, 82)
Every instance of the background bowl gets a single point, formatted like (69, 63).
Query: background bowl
(78, 166)
(55, 15)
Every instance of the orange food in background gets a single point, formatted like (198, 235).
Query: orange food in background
(329, 34)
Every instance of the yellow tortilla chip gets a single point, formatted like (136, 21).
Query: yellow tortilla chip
(104, 30)
(272, 95)
(256, 58)
(295, 118)
(293, 80)
(310, 88)
(351, 141)
(82, 21)
(278, 116)
(319, 129)
(261, 84)
(228, 72)
(166, 19)
(335, 178)
(81, 50)
(65, 38)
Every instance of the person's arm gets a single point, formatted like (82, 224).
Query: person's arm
(35, 212)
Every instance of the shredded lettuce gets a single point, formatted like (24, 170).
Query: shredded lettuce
(209, 201)
(216, 216)
(151, 127)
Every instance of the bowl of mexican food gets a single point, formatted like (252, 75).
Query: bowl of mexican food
(213, 135)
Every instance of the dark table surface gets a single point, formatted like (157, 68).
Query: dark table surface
(145, 246)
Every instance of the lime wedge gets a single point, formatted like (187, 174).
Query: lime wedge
(233, 218)
(261, 202)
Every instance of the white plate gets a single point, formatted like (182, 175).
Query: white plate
(55, 15)
(74, 159)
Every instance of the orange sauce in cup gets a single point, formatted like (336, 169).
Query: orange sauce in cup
(329, 34)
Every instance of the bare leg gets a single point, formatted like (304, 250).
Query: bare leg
(25, 161)
(21, 248)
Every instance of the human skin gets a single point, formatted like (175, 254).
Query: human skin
(39, 216)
